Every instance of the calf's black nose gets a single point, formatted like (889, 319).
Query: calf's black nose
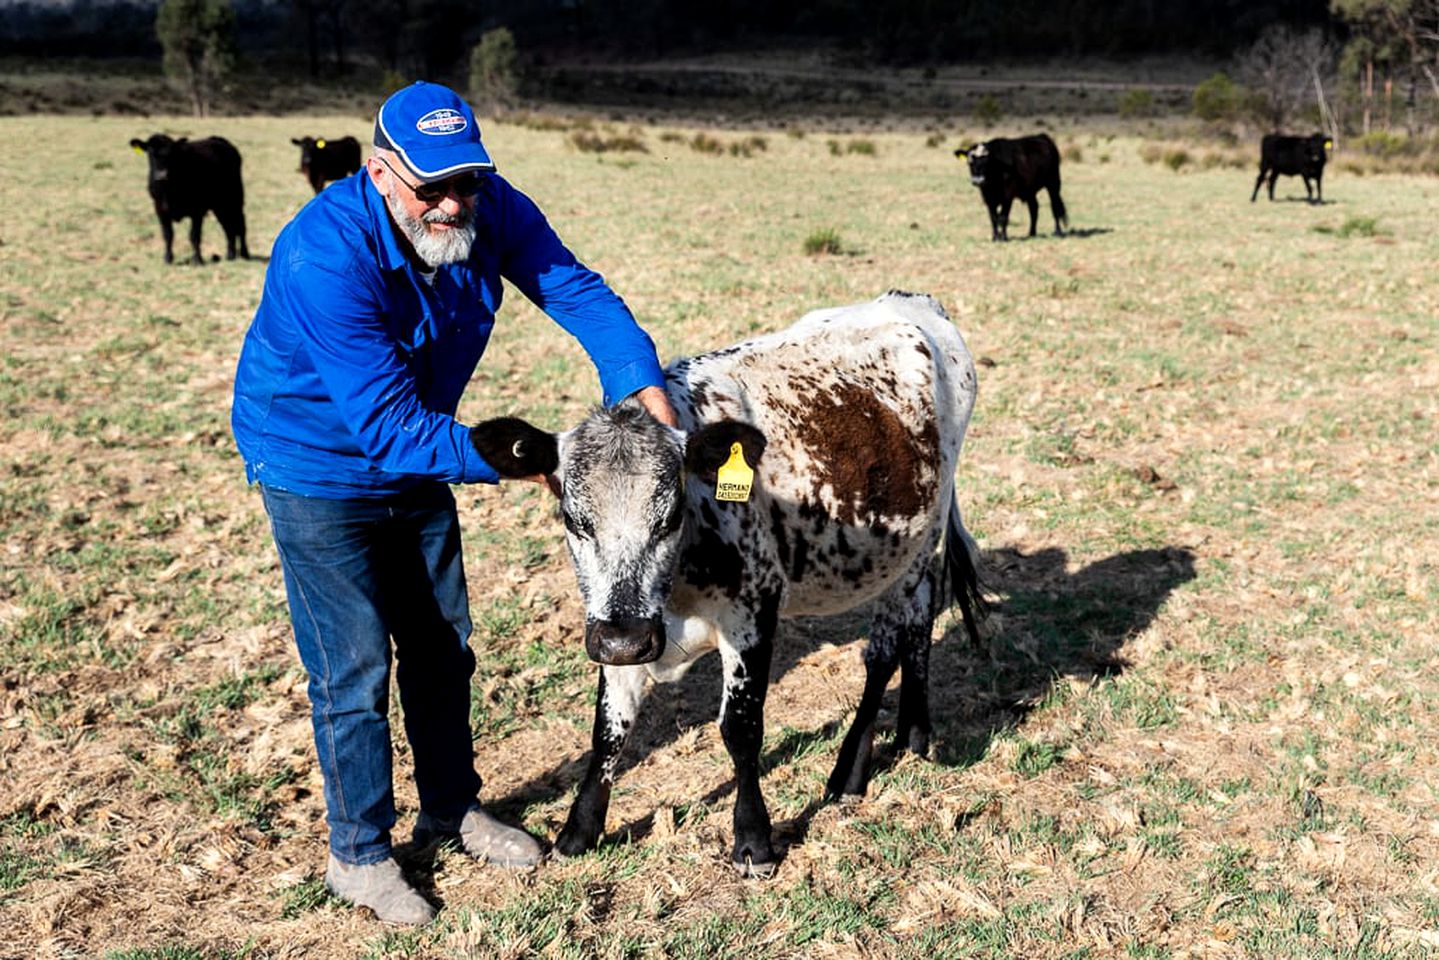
(625, 642)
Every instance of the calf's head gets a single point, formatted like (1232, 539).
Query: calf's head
(978, 157)
(161, 151)
(308, 147)
(623, 478)
(1316, 149)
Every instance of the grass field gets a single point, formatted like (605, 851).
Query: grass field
(1204, 469)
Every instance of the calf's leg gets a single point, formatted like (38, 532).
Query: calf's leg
(1257, 184)
(1032, 201)
(622, 690)
(167, 233)
(196, 223)
(742, 725)
(903, 619)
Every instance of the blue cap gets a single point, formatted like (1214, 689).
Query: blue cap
(433, 131)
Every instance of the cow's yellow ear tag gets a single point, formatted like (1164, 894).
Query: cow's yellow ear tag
(137, 149)
(320, 144)
(736, 479)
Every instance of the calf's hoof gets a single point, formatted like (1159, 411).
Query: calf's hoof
(751, 869)
(573, 843)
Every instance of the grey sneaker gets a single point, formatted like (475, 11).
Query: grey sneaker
(482, 836)
(380, 886)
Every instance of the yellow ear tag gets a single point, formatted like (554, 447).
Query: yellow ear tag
(138, 149)
(320, 144)
(736, 479)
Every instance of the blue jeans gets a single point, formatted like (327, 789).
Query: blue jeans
(360, 573)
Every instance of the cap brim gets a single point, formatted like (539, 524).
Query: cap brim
(440, 162)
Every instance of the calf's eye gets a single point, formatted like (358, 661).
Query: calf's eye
(579, 528)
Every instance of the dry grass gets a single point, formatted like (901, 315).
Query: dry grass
(1203, 469)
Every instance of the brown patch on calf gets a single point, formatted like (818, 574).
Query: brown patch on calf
(873, 463)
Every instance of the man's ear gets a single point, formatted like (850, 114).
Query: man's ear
(514, 448)
(708, 448)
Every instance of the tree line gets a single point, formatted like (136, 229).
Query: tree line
(1381, 56)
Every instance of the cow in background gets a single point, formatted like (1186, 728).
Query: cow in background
(835, 489)
(324, 160)
(189, 178)
(1005, 169)
(1293, 156)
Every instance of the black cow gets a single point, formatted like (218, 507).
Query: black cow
(190, 178)
(837, 491)
(1293, 156)
(325, 160)
(1004, 169)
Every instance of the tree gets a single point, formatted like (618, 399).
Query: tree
(494, 68)
(1406, 29)
(1282, 68)
(198, 39)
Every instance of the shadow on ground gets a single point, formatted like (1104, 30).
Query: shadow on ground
(1046, 624)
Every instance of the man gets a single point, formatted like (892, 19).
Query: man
(378, 302)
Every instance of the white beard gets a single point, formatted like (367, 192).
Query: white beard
(436, 247)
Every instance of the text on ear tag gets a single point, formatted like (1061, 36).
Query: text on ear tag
(735, 478)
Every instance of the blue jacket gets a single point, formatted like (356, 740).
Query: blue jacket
(353, 367)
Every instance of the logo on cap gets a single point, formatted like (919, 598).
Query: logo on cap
(441, 122)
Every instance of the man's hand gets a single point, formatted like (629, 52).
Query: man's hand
(548, 479)
(657, 403)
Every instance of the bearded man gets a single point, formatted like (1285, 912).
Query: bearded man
(378, 301)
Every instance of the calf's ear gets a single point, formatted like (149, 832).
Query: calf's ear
(137, 145)
(297, 141)
(515, 448)
(708, 448)
(962, 153)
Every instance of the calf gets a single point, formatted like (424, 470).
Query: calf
(190, 178)
(853, 421)
(1302, 156)
(324, 160)
(1005, 169)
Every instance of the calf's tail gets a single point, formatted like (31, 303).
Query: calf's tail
(961, 573)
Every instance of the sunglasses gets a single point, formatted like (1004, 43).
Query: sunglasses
(464, 186)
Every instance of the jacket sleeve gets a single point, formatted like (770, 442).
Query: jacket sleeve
(340, 320)
(575, 297)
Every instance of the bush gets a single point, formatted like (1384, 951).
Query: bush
(1136, 103)
(704, 143)
(865, 148)
(1219, 99)
(1386, 145)
(1176, 158)
(987, 110)
(594, 143)
(494, 68)
(823, 240)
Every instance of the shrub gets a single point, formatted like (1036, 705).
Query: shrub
(1136, 103)
(494, 68)
(1073, 153)
(1386, 145)
(865, 148)
(934, 140)
(1176, 158)
(987, 110)
(587, 142)
(704, 143)
(823, 240)
(1218, 99)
